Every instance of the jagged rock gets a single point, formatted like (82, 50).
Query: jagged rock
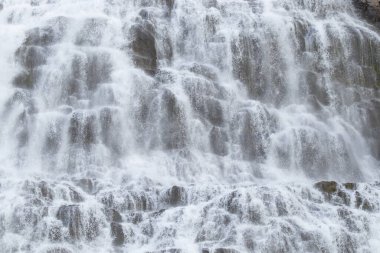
(58, 250)
(26, 79)
(166, 251)
(362, 203)
(176, 196)
(83, 129)
(41, 189)
(135, 218)
(46, 36)
(350, 186)
(88, 71)
(117, 233)
(143, 46)
(218, 141)
(55, 233)
(92, 32)
(113, 215)
(71, 218)
(332, 189)
(173, 133)
(328, 187)
(31, 56)
(225, 250)
(75, 196)
(205, 71)
(87, 185)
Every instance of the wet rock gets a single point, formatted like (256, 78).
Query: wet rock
(350, 186)
(117, 233)
(252, 137)
(71, 217)
(113, 215)
(176, 196)
(362, 203)
(88, 72)
(213, 111)
(55, 233)
(82, 130)
(173, 133)
(225, 250)
(59, 250)
(328, 187)
(75, 196)
(166, 251)
(41, 189)
(87, 185)
(135, 218)
(92, 32)
(31, 56)
(314, 87)
(206, 71)
(46, 36)
(218, 141)
(98, 69)
(144, 47)
(110, 129)
(26, 79)
(247, 64)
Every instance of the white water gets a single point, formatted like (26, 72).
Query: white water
(251, 103)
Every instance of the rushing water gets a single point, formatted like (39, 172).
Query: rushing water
(188, 126)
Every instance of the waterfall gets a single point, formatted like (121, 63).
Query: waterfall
(184, 126)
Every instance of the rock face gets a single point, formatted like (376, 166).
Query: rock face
(144, 47)
(342, 194)
(370, 10)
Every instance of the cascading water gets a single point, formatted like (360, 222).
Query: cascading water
(188, 126)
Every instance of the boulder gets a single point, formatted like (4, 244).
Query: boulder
(117, 234)
(143, 46)
(176, 196)
(218, 141)
(71, 217)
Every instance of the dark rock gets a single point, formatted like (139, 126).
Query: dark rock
(176, 196)
(88, 185)
(113, 215)
(205, 71)
(167, 251)
(82, 129)
(117, 233)
(75, 196)
(328, 187)
(247, 64)
(41, 189)
(26, 79)
(31, 56)
(55, 233)
(144, 47)
(362, 203)
(281, 207)
(58, 250)
(225, 250)
(51, 34)
(218, 141)
(173, 133)
(71, 218)
(92, 32)
(350, 186)
(110, 130)
(135, 218)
